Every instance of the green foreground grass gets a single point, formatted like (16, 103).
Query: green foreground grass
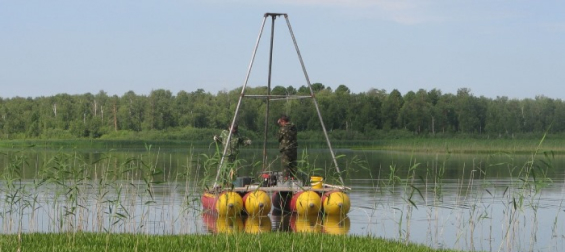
(200, 242)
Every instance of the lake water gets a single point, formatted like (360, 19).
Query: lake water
(495, 202)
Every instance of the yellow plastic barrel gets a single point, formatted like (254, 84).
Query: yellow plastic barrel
(336, 203)
(316, 182)
(306, 203)
(229, 204)
(257, 203)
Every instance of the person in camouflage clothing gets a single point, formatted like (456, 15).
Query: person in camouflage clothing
(288, 147)
(233, 149)
(233, 145)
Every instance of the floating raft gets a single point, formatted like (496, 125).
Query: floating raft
(254, 200)
(268, 196)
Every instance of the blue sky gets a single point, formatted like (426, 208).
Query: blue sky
(492, 47)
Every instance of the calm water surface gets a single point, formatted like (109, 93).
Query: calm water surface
(495, 202)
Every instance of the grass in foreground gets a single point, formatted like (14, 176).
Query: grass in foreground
(200, 242)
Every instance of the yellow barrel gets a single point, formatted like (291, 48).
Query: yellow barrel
(316, 182)
(306, 203)
(336, 203)
(229, 203)
(257, 203)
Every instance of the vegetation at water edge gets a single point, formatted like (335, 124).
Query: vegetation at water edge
(192, 116)
(85, 242)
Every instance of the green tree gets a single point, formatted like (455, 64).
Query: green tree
(183, 109)
(131, 112)
(291, 90)
(544, 113)
(64, 108)
(444, 114)
(391, 109)
(17, 113)
(416, 112)
(469, 112)
(159, 113)
(365, 110)
(342, 89)
(279, 90)
(559, 117)
(201, 108)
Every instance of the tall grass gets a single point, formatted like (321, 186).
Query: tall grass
(115, 194)
(99, 205)
(423, 187)
(110, 194)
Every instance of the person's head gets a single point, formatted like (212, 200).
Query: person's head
(283, 120)
(234, 129)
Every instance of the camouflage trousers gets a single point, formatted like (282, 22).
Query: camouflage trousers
(288, 162)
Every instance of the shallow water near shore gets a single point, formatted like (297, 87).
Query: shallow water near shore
(490, 202)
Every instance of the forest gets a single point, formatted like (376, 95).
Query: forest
(196, 115)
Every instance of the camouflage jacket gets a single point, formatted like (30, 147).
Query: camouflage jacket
(235, 142)
(287, 137)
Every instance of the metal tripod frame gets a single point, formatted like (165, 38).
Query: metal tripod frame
(270, 97)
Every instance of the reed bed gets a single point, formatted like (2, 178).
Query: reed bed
(116, 203)
(500, 216)
(112, 204)
(110, 194)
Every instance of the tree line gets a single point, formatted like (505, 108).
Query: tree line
(353, 115)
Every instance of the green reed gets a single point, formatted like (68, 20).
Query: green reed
(423, 187)
(16, 196)
(120, 182)
(108, 194)
(67, 173)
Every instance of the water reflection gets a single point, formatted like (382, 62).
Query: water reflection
(222, 224)
(305, 224)
(256, 225)
(336, 224)
(276, 223)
